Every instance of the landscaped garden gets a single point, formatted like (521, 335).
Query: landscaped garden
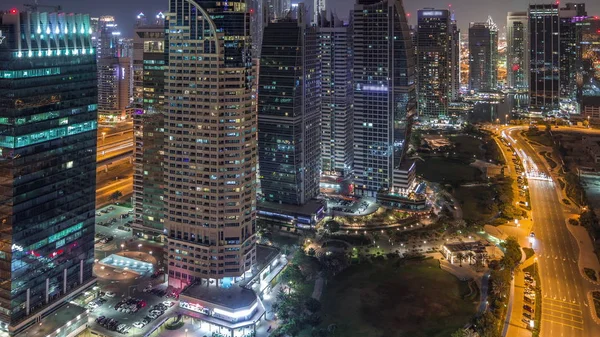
(396, 298)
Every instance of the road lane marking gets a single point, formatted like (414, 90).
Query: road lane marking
(564, 324)
(565, 313)
(561, 302)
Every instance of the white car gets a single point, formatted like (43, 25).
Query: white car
(110, 294)
(139, 325)
(168, 303)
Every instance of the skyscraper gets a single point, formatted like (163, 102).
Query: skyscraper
(148, 122)
(114, 71)
(483, 55)
(337, 110)
(289, 111)
(517, 50)
(48, 113)
(454, 59)
(210, 143)
(571, 66)
(320, 8)
(434, 48)
(544, 60)
(384, 92)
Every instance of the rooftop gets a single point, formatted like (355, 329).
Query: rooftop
(234, 297)
(308, 209)
(56, 320)
(464, 246)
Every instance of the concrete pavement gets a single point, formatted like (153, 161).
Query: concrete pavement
(565, 309)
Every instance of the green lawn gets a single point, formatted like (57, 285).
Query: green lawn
(447, 171)
(477, 202)
(539, 137)
(468, 146)
(393, 299)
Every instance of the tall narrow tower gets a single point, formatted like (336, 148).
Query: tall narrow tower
(210, 142)
(384, 92)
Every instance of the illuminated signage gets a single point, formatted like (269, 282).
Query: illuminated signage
(432, 13)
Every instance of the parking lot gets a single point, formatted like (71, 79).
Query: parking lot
(137, 312)
(529, 299)
(361, 206)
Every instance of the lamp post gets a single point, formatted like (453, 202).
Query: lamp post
(140, 246)
(506, 119)
(122, 246)
(186, 331)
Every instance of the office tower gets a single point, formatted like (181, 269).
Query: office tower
(289, 111)
(277, 9)
(48, 117)
(384, 93)
(114, 72)
(589, 82)
(571, 66)
(434, 72)
(483, 55)
(148, 122)
(210, 143)
(517, 52)
(320, 8)
(454, 59)
(544, 63)
(337, 112)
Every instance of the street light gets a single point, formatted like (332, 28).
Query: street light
(122, 246)
(506, 119)
(186, 330)
(150, 252)
(140, 246)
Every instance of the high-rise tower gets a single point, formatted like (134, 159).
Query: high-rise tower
(337, 96)
(384, 93)
(289, 105)
(483, 55)
(149, 61)
(517, 50)
(210, 142)
(434, 48)
(48, 113)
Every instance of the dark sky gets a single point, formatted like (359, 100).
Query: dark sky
(466, 10)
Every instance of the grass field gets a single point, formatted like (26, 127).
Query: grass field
(393, 299)
(447, 171)
(477, 202)
(468, 146)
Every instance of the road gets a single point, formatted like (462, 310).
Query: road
(115, 169)
(565, 311)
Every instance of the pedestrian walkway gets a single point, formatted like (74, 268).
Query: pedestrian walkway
(318, 290)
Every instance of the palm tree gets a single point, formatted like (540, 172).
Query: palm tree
(470, 255)
(460, 257)
(499, 287)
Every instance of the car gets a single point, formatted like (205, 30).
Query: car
(532, 234)
(139, 325)
(98, 213)
(111, 208)
(110, 294)
(152, 316)
(168, 303)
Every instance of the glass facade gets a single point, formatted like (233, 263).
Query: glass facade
(337, 109)
(149, 61)
(433, 62)
(483, 56)
(544, 65)
(517, 55)
(48, 160)
(384, 92)
(289, 112)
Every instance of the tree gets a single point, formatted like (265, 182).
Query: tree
(311, 252)
(292, 274)
(312, 305)
(460, 257)
(116, 195)
(499, 287)
(332, 226)
(470, 256)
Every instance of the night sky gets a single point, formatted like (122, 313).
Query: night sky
(466, 10)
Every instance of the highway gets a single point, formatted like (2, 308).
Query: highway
(115, 168)
(565, 310)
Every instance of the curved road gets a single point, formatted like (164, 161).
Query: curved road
(565, 310)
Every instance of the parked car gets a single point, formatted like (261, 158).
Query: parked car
(110, 294)
(139, 325)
